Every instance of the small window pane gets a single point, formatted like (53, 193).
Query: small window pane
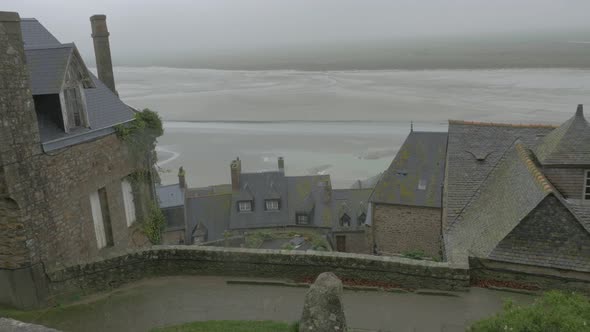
(245, 206)
(272, 205)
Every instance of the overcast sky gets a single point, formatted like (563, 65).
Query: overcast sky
(139, 26)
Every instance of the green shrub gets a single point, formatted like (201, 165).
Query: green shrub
(287, 246)
(416, 254)
(153, 224)
(554, 311)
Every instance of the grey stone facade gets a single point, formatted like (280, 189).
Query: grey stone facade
(399, 229)
(45, 213)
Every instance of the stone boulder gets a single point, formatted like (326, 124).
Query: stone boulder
(11, 325)
(322, 310)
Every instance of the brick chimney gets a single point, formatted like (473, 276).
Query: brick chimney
(181, 178)
(102, 51)
(281, 165)
(236, 170)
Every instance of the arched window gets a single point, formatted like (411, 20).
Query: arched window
(345, 220)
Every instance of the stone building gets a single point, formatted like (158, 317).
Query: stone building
(65, 192)
(406, 203)
(516, 196)
(349, 227)
(269, 200)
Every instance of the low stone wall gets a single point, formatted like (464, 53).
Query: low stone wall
(191, 260)
(485, 271)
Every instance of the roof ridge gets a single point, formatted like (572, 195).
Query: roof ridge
(532, 167)
(49, 46)
(499, 124)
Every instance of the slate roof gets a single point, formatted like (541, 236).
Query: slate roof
(259, 187)
(170, 195)
(47, 59)
(212, 211)
(508, 195)
(473, 150)
(416, 174)
(34, 33)
(310, 194)
(47, 67)
(354, 203)
(567, 145)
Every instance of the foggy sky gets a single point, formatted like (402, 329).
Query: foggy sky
(139, 27)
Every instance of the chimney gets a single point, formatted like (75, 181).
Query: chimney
(281, 165)
(181, 178)
(236, 170)
(102, 51)
(580, 110)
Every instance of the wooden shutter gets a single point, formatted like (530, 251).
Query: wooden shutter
(101, 240)
(128, 201)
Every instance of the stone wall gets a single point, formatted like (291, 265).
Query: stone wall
(528, 276)
(193, 260)
(356, 241)
(399, 228)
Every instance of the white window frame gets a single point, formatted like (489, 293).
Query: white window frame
(422, 184)
(101, 237)
(272, 205)
(128, 202)
(244, 206)
(585, 193)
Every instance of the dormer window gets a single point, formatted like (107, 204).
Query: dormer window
(345, 220)
(75, 108)
(587, 186)
(362, 219)
(245, 206)
(272, 205)
(302, 219)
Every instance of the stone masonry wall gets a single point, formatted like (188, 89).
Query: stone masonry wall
(356, 241)
(45, 214)
(399, 228)
(194, 260)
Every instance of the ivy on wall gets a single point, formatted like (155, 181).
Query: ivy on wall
(140, 137)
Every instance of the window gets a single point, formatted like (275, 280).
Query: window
(345, 220)
(272, 205)
(74, 107)
(301, 219)
(128, 202)
(102, 219)
(361, 219)
(587, 186)
(422, 184)
(245, 206)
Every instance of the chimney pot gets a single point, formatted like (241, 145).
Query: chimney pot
(102, 51)
(580, 110)
(281, 165)
(236, 170)
(181, 178)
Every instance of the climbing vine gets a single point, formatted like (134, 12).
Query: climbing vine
(140, 136)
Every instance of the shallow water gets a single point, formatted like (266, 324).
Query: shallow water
(353, 121)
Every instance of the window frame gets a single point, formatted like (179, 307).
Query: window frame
(129, 202)
(239, 208)
(586, 187)
(278, 204)
(302, 215)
